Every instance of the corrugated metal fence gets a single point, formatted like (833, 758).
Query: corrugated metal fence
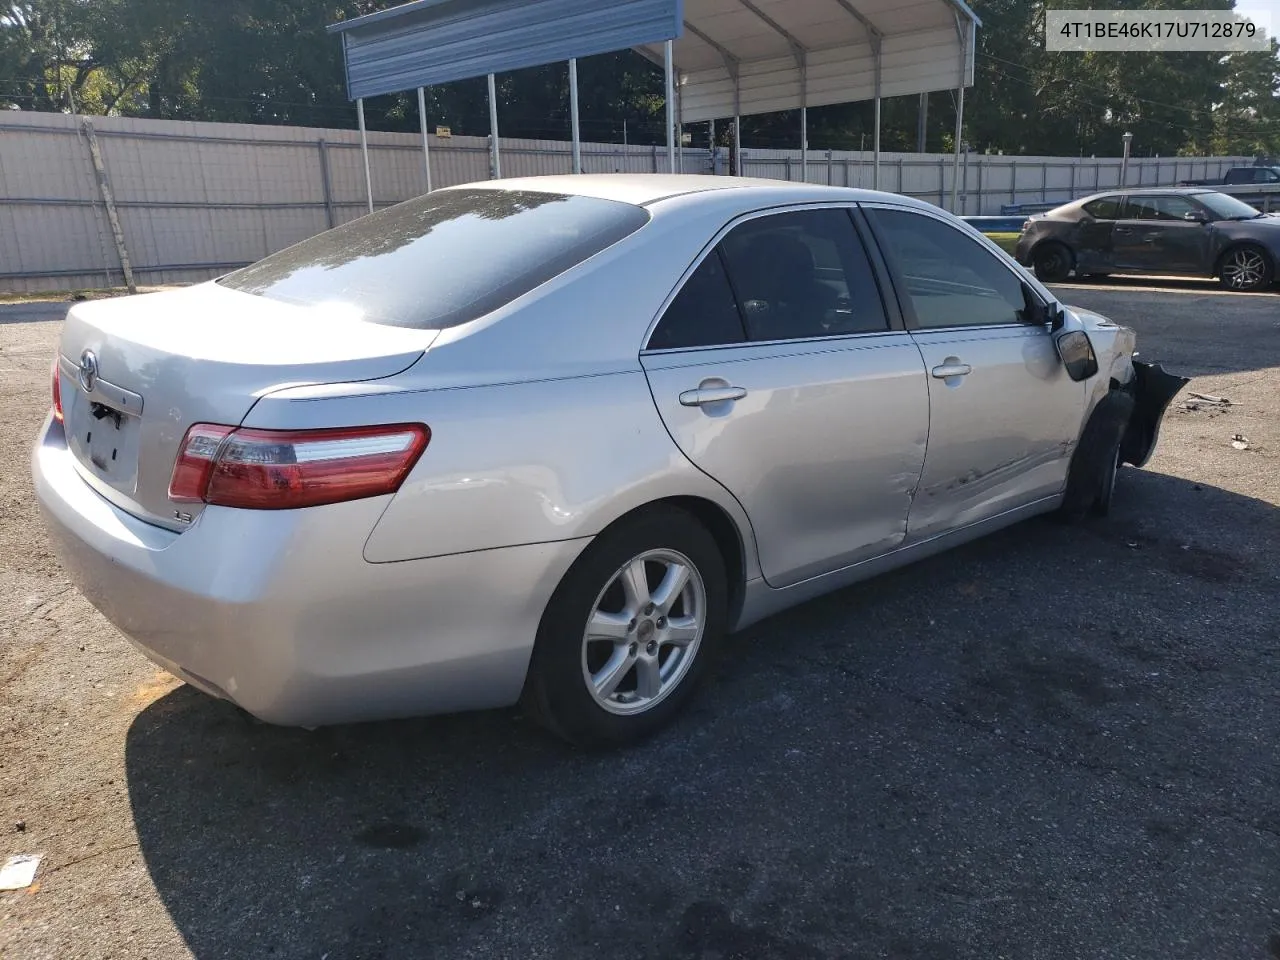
(197, 199)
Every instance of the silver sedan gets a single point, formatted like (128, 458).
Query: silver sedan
(553, 439)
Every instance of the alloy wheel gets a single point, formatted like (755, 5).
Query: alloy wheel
(644, 632)
(1244, 269)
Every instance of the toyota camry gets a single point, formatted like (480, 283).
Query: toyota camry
(552, 440)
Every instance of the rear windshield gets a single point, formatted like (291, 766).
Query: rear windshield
(443, 259)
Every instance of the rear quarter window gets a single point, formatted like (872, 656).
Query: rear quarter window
(444, 259)
(1104, 208)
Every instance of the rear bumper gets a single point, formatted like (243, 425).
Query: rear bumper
(279, 612)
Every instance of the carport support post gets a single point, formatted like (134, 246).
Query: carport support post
(364, 151)
(573, 115)
(964, 65)
(495, 159)
(875, 163)
(804, 119)
(671, 107)
(737, 145)
(804, 144)
(426, 142)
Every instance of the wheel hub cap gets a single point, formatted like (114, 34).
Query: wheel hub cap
(644, 631)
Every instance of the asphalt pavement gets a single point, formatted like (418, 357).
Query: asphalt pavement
(1058, 742)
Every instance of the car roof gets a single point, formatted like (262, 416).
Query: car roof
(1147, 191)
(647, 189)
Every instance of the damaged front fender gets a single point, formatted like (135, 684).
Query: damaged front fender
(1153, 389)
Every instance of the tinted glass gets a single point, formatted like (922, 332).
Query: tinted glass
(803, 274)
(703, 314)
(1224, 205)
(950, 278)
(443, 259)
(1104, 208)
(1159, 208)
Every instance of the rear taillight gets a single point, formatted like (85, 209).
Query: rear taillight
(288, 469)
(57, 392)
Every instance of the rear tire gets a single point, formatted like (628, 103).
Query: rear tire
(619, 654)
(1052, 262)
(1246, 268)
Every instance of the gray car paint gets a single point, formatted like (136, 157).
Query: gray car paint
(547, 427)
(1145, 246)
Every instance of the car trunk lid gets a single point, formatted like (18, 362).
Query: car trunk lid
(137, 372)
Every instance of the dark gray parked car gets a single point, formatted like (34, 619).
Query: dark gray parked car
(1174, 231)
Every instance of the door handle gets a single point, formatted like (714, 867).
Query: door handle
(1124, 230)
(705, 395)
(945, 371)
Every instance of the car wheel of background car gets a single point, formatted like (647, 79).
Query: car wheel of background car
(1092, 475)
(1246, 267)
(1052, 262)
(630, 631)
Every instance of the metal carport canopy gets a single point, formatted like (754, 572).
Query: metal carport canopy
(743, 57)
(723, 57)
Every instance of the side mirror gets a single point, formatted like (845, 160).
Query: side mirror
(1036, 313)
(1076, 351)
(1195, 216)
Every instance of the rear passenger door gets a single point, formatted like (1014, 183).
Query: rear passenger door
(1093, 240)
(780, 373)
(1004, 414)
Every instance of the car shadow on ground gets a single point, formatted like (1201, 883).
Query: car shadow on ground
(1058, 741)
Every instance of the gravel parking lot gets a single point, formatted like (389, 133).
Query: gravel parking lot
(1058, 742)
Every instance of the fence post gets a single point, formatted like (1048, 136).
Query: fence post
(327, 182)
(109, 201)
(828, 168)
(942, 184)
(1073, 184)
(1044, 181)
(655, 158)
(1013, 182)
(900, 185)
(981, 195)
(788, 169)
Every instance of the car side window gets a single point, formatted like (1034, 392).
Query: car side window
(1104, 208)
(803, 274)
(704, 312)
(951, 279)
(1159, 208)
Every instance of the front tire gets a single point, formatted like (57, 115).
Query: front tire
(1246, 268)
(1052, 262)
(631, 630)
(1091, 477)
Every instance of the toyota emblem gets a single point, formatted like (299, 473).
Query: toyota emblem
(88, 375)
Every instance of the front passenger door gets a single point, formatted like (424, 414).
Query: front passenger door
(1156, 237)
(1004, 415)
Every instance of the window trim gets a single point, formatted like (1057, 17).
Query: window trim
(899, 281)
(892, 316)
